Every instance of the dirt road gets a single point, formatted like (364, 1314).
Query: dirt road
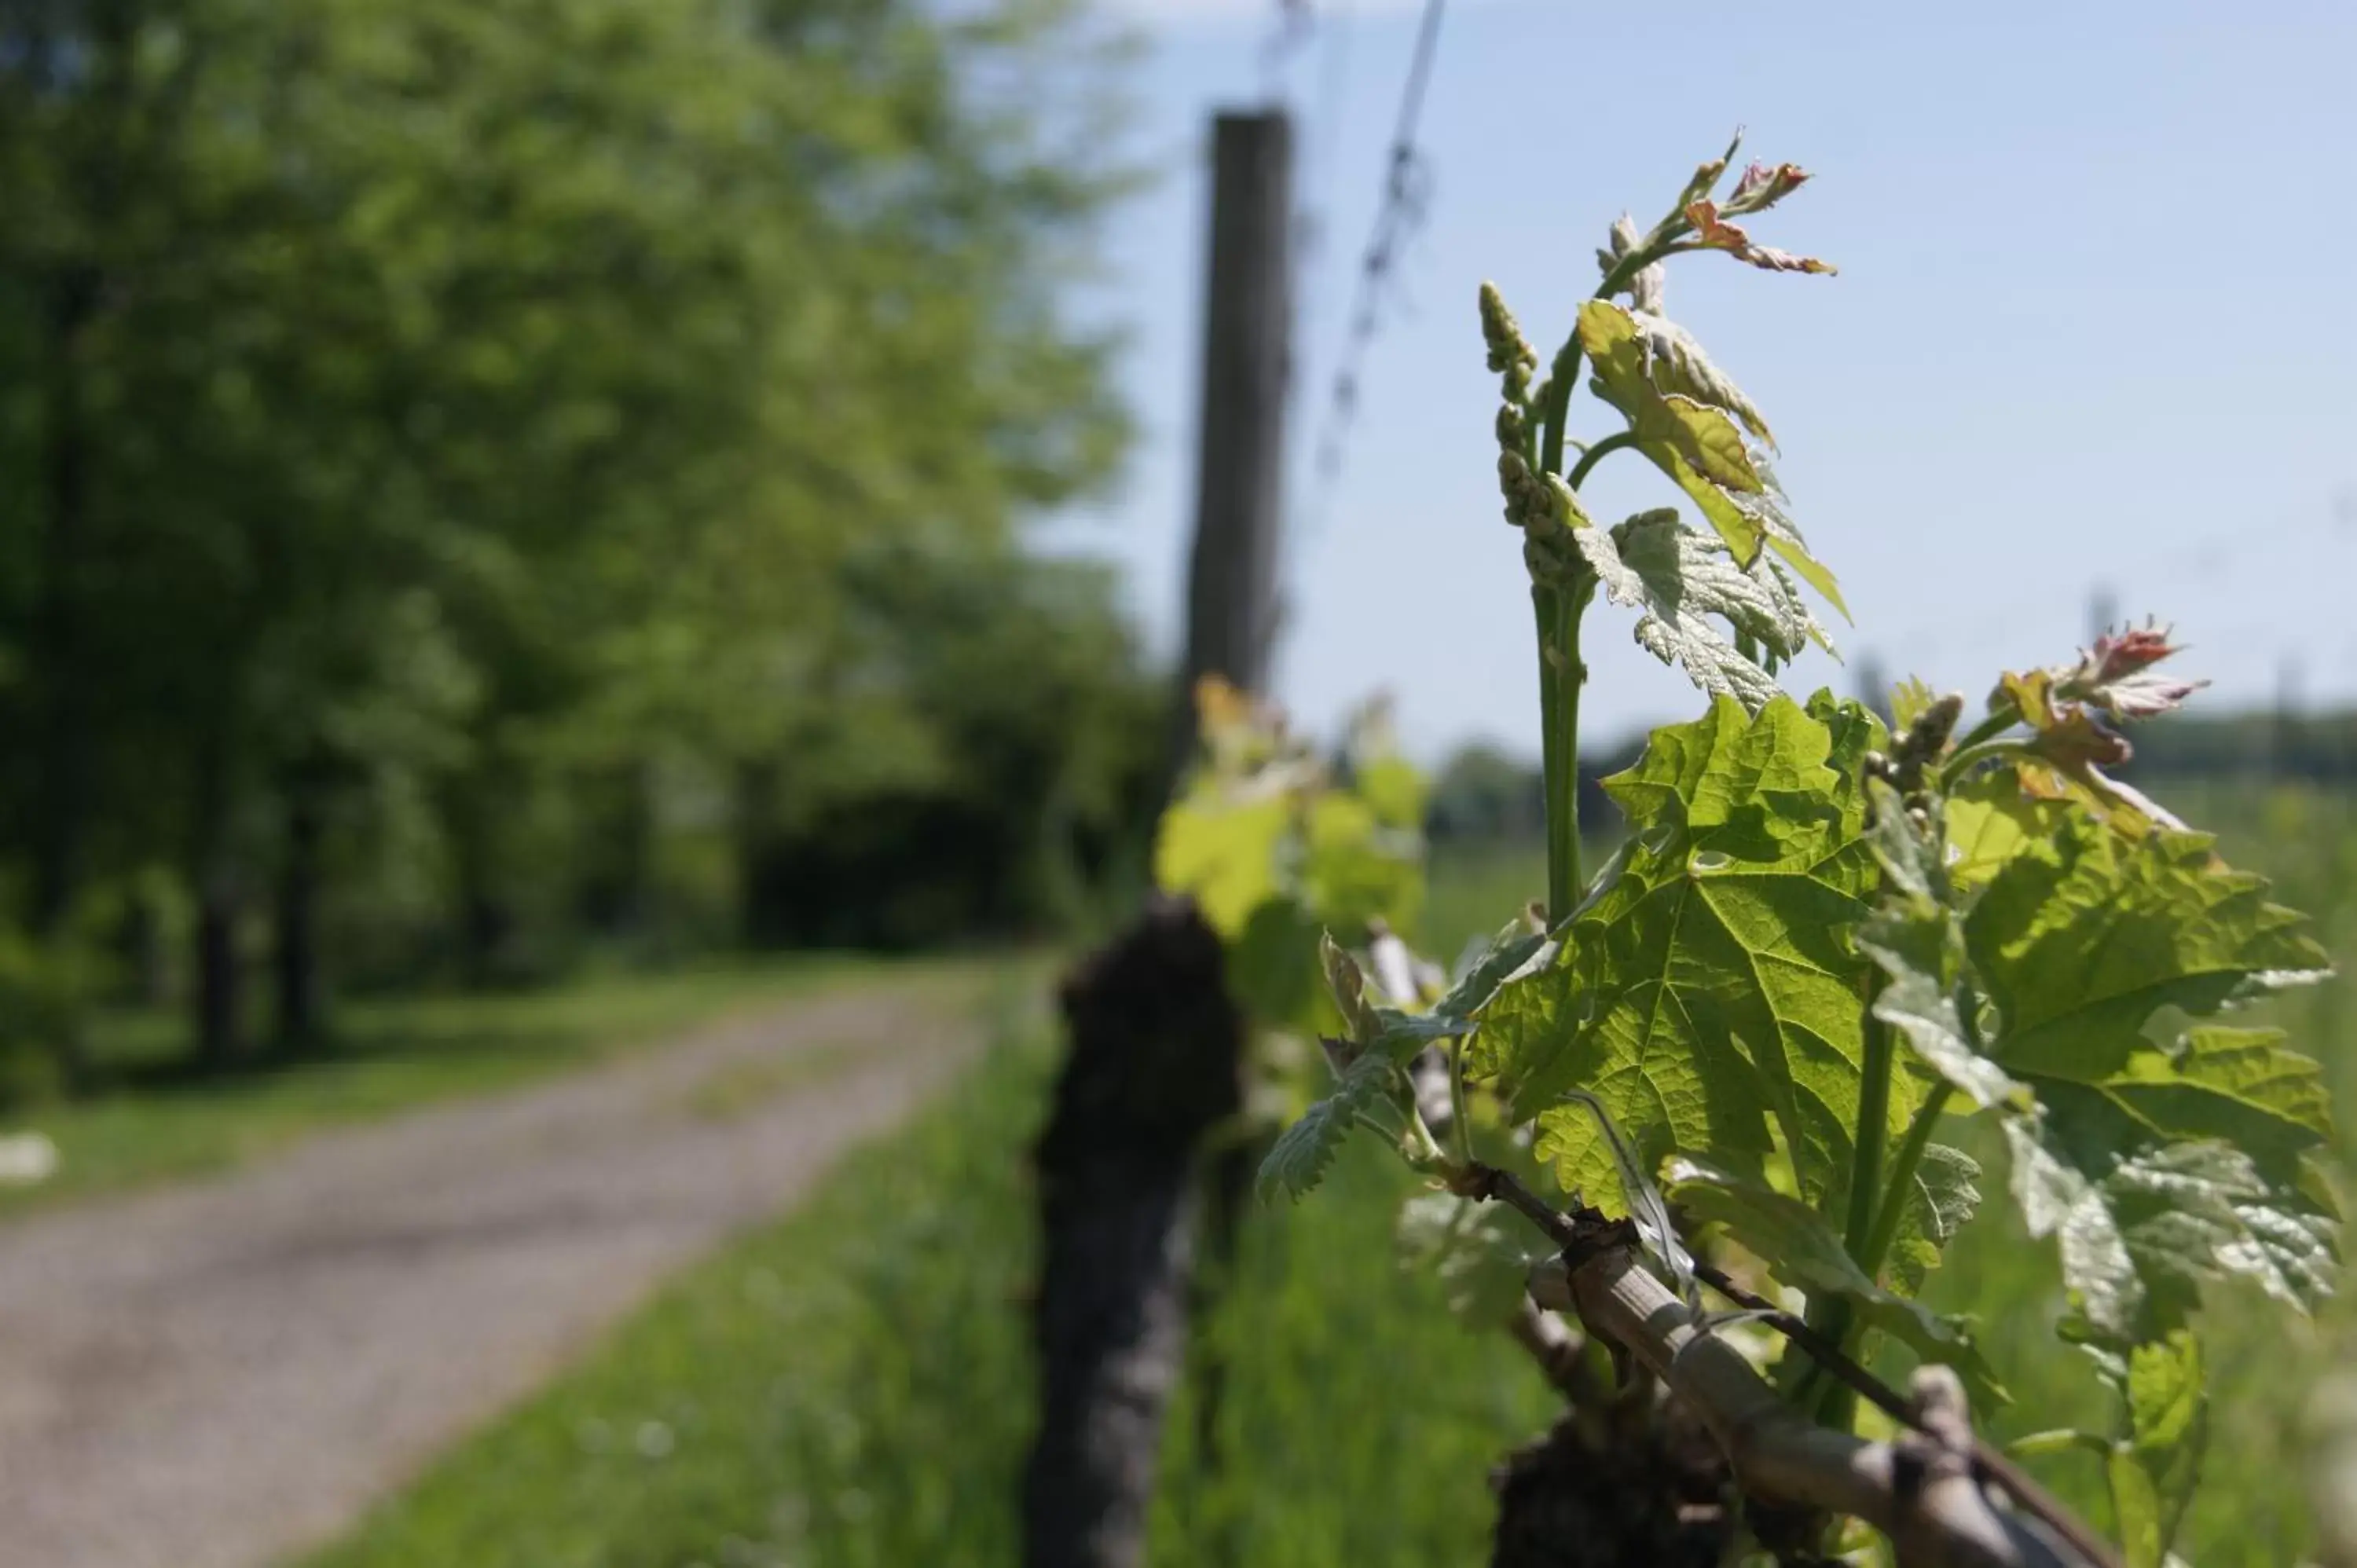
(218, 1375)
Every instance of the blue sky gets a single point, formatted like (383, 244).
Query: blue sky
(2094, 327)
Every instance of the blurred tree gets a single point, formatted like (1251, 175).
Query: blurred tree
(1485, 792)
(441, 422)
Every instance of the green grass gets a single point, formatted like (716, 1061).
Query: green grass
(156, 1124)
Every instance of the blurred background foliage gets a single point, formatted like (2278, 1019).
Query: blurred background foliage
(486, 483)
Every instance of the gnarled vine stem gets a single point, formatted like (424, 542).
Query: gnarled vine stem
(1925, 1491)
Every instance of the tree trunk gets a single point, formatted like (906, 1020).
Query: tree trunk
(295, 950)
(61, 740)
(145, 952)
(220, 989)
(485, 923)
(1157, 1048)
(764, 895)
(61, 761)
(616, 894)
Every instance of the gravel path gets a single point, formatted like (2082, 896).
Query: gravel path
(218, 1375)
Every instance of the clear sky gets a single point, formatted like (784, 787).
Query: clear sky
(2094, 327)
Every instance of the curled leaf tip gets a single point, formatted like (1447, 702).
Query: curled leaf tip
(1705, 175)
(2115, 674)
(1763, 185)
(1715, 234)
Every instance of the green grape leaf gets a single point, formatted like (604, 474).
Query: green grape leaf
(1914, 937)
(1705, 437)
(2155, 1166)
(1910, 700)
(1394, 789)
(1516, 943)
(1347, 983)
(1680, 580)
(1221, 851)
(1356, 868)
(1800, 1248)
(1749, 520)
(1375, 1030)
(1299, 1160)
(1699, 442)
(2238, 1085)
(1524, 1022)
(2142, 1222)
(1676, 365)
(2153, 1470)
(2081, 940)
(1401, 1036)
(1475, 1248)
(1943, 1201)
(1918, 1000)
(1763, 513)
(1272, 964)
(1711, 986)
(1991, 820)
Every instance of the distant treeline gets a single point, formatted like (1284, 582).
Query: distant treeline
(487, 480)
(1485, 793)
(2317, 748)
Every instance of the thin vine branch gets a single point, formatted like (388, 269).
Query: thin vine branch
(1601, 1280)
(1900, 1188)
(1617, 441)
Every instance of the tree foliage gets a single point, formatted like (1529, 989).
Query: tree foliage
(486, 432)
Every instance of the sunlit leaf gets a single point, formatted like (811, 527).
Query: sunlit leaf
(1706, 437)
(1686, 585)
(1711, 986)
(1221, 851)
(1698, 442)
(1676, 363)
(2081, 939)
(1991, 820)
(2154, 1468)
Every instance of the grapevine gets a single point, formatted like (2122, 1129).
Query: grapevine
(1710, 1091)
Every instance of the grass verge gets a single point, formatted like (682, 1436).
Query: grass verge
(153, 1125)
